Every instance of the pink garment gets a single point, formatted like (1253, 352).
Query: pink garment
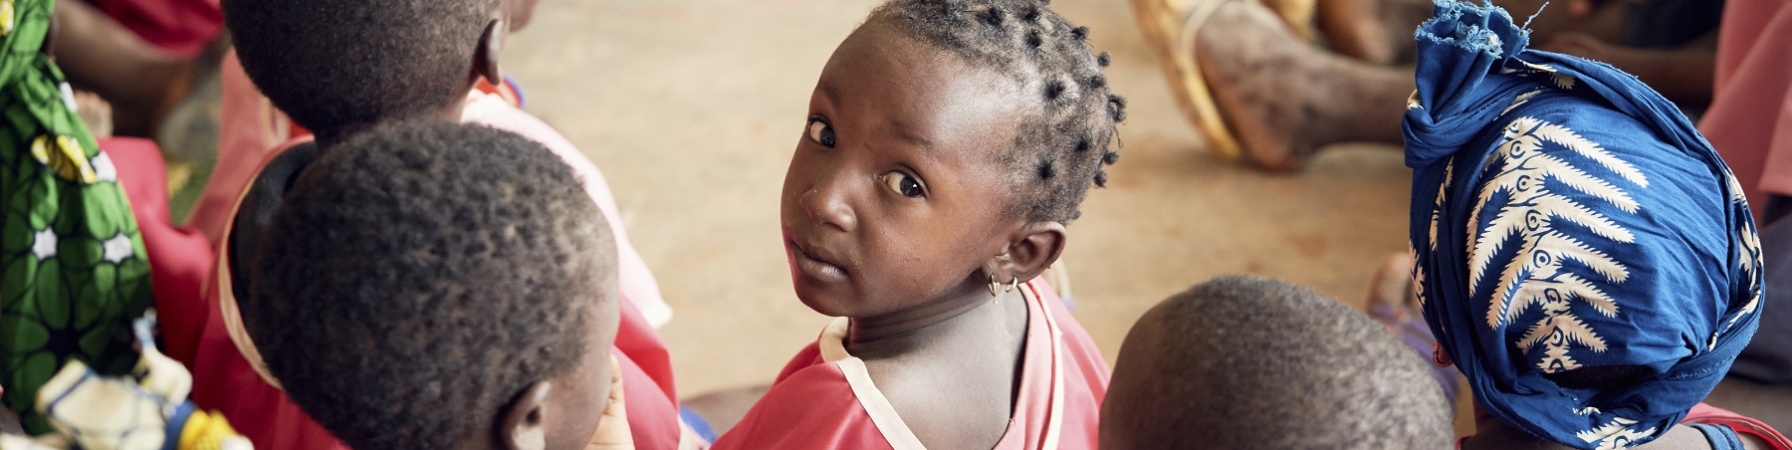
(1744, 425)
(825, 398)
(1750, 120)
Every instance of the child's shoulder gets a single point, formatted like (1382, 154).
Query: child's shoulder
(812, 405)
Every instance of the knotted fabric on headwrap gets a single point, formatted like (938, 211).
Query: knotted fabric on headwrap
(1583, 255)
(73, 265)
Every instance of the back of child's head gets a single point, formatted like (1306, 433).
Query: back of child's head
(336, 64)
(422, 275)
(1242, 362)
(1059, 152)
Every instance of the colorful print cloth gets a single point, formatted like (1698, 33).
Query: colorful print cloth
(146, 410)
(72, 261)
(1584, 256)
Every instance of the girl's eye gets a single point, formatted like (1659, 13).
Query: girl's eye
(820, 132)
(904, 184)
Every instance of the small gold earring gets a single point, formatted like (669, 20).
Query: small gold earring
(1013, 282)
(993, 285)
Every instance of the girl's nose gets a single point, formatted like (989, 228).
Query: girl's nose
(826, 204)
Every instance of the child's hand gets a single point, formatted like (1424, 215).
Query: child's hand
(96, 112)
(613, 432)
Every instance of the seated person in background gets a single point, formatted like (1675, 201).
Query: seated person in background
(440, 286)
(1260, 92)
(1249, 363)
(1583, 255)
(947, 146)
(339, 67)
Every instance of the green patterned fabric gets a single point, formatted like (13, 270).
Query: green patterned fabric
(74, 271)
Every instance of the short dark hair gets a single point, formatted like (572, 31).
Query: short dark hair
(1244, 362)
(334, 64)
(419, 276)
(1063, 149)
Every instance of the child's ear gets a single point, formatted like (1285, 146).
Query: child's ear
(1032, 250)
(491, 44)
(521, 424)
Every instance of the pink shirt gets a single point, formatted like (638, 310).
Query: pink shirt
(1750, 120)
(825, 398)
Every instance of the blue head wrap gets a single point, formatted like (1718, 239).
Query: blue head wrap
(1583, 254)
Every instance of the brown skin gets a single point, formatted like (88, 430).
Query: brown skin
(521, 13)
(563, 412)
(98, 54)
(902, 221)
(1684, 74)
(1124, 424)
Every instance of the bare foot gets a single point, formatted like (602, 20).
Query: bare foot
(1391, 300)
(1285, 98)
(1374, 31)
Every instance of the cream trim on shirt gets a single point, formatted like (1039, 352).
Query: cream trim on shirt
(833, 350)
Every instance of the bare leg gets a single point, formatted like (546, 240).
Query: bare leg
(1684, 75)
(98, 54)
(1374, 31)
(1285, 98)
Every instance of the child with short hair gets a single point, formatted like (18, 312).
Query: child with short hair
(1583, 254)
(1244, 362)
(948, 144)
(340, 67)
(440, 286)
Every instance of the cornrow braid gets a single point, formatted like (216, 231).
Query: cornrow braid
(1061, 151)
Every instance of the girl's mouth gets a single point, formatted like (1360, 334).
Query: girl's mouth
(819, 267)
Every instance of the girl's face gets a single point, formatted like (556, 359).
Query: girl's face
(897, 196)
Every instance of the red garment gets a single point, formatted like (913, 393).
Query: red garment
(1750, 119)
(179, 27)
(825, 399)
(1707, 414)
(179, 259)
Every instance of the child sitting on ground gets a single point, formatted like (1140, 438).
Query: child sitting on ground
(947, 145)
(1242, 363)
(440, 286)
(339, 67)
(1583, 255)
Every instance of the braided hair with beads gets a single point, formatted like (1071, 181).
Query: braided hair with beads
(1060, 152)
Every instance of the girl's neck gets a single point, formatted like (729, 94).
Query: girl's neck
(907, 330)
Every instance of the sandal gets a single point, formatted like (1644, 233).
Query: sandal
(1171, 27)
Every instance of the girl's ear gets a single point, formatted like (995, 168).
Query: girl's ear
(1031, 251)
(520, 427)
(491, 44)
